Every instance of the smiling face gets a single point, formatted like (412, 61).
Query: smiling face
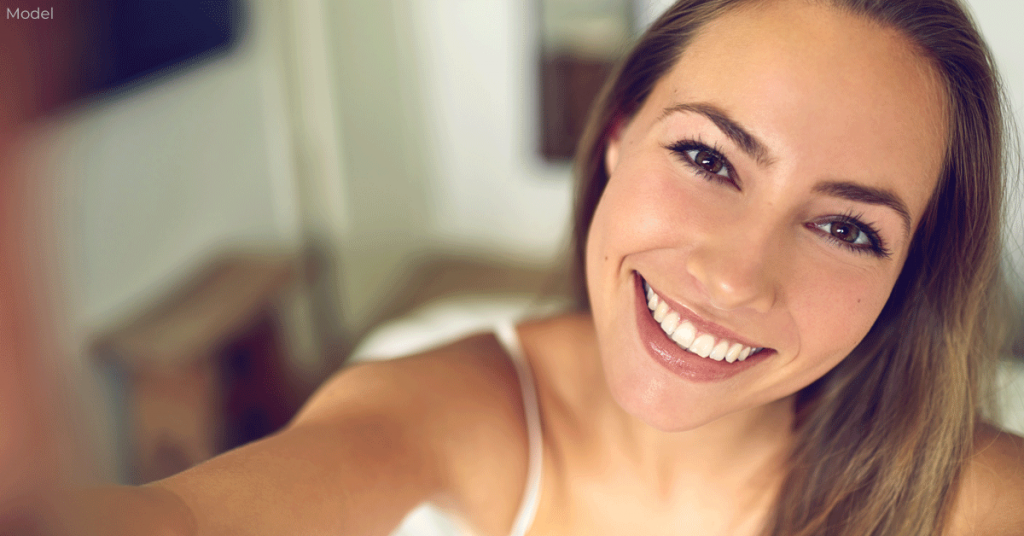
(767, 191)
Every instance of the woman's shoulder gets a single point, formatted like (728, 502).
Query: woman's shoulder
(459, 406)
(435, 379)
(991, 498)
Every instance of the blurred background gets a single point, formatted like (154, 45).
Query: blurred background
(237, 194)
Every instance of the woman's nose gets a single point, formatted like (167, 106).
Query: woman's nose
(735, 267)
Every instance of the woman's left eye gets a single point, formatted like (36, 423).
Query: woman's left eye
(853, 233)
(845, 231)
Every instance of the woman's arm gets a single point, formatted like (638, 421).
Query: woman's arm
(353, 462)
(371, 444)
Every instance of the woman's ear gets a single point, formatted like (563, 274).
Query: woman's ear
(611, 150)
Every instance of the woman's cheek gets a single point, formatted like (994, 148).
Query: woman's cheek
(659, 207)
(839, 306)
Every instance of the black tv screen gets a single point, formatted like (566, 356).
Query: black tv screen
(129, 41)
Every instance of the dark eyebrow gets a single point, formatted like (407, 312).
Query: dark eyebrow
(866, 194)
(746, 141)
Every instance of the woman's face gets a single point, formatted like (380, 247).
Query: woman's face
(767, 192)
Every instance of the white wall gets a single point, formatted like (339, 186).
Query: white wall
(436, 114)
(154, 179)
(478, 66)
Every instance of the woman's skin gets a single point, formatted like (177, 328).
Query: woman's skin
(849, 125)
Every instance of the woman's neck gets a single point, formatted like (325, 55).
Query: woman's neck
(741, 453)
(746, 446)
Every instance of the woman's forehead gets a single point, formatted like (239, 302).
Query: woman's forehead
(826, 93)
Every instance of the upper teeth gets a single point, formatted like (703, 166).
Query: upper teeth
(686, 336)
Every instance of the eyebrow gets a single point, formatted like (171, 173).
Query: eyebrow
(866, 194)
(733, 130)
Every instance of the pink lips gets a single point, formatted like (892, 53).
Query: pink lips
(681, 362)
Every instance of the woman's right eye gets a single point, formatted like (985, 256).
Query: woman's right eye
(708, 162)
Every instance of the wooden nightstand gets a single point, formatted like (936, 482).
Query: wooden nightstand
(204, 369)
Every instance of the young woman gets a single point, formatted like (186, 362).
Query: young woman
(788, 229)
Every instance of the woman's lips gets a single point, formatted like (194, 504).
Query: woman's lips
(701, 325)
(686, 363)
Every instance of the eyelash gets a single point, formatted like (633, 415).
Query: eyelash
(877, 247)
(682, 147)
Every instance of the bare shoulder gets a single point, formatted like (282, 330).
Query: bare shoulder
(372, 443)
(991, 499)
(464, 375)
(460, 411)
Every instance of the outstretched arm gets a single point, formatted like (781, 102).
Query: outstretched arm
(353, 462)
(371, 444)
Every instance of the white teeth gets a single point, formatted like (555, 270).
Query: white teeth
(684, 333)
(734, 352)
(702, 345)
(660, 312)
(718, 352)
(670, 323)
(652, 298)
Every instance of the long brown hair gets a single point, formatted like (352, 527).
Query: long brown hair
(882, 438)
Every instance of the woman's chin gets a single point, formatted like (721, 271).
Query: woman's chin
(659, 402)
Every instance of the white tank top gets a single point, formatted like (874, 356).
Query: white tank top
(427, 520)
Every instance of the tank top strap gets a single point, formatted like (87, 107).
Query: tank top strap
(509, 339)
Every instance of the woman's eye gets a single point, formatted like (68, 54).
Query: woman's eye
(709, 161)
(846, 232)
(706, 161)
(853, 233)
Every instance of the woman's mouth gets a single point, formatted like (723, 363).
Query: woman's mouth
(683, 333)
(688, 345)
